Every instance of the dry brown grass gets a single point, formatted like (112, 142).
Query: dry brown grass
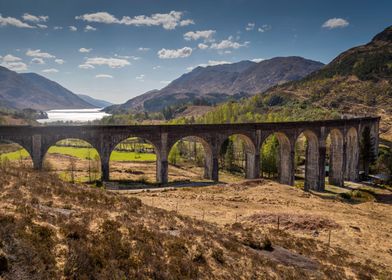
(50, 229)
(362, 230)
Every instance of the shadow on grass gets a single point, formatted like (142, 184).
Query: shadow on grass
(138, 185)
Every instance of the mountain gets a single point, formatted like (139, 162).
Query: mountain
(356, 82)
(95, 102)
(30, 90)
(216, 84)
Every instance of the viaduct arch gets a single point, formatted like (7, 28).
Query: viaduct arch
(344, 133)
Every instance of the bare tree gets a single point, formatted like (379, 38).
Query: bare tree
(72, 168)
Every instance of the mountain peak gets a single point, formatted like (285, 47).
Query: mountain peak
(217, 83)
(30, 90)
(384, 36)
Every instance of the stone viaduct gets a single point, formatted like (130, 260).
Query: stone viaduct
(345, 137)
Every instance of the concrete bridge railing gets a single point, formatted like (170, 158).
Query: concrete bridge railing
(345, 135)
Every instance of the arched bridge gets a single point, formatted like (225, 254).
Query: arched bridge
(345, 137)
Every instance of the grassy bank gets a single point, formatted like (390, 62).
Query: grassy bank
(83, 153)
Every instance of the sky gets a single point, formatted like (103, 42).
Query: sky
(116, 50)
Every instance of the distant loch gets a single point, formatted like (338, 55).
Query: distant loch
(74, 115)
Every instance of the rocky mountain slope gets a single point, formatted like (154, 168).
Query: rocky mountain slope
(99, 103)
(30, 90)
(358, 81)
(215, 84)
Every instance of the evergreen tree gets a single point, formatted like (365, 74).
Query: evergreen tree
(229, 155)
(174, 154)
(367, 150)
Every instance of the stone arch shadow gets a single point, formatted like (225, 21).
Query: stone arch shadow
(336, 157)
(116, 142)
(352, 154)
(89, 157)
(252, 154)
(312, 155)
(209, 172)
(22, 147)
(284, 156)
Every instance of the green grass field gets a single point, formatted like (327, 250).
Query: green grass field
(17, 155)
(83, 153)
(132, 156)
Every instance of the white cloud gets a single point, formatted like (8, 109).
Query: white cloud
(42, 26)
(186, 22)
(131, 57)
(202, 46)
(4, 21)
(86, 66)
(141, 49)
(59, 61)
(196, 35)
(37, 60)
(89, 28)
(13, 63)
(57, 27)
(264, 28)
(111, 62)
(11, 58)
(102, 17)
(167, 21)
(165, 82)
(140, 77)
(210, 63)
(104, 76)
(73, 28)
(250, 26)
(215, 62)
(38, 53)
(156, 67)
(179, 53)
(128, 57)
(335, 23)
(32, 18)
(15, 66)
(84, 50)
(50, 70)
(228, 44)
(257, 60)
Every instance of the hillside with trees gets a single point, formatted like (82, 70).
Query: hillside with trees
(218, 83)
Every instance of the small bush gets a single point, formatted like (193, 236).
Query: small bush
(345, 195)
(217, 254)
(267, 245)
(198, 257)
(3, 263)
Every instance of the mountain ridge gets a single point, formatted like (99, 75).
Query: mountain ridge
(99, 103)
(357, 82)
(218, 83)
(30, 90)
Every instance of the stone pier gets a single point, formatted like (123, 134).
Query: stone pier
(344, 151)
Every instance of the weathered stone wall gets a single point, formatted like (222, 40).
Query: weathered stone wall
(344, 155)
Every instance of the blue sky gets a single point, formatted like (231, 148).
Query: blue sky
(116, 50)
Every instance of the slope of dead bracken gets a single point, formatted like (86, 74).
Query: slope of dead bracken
(50, 229)
(362, 230)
